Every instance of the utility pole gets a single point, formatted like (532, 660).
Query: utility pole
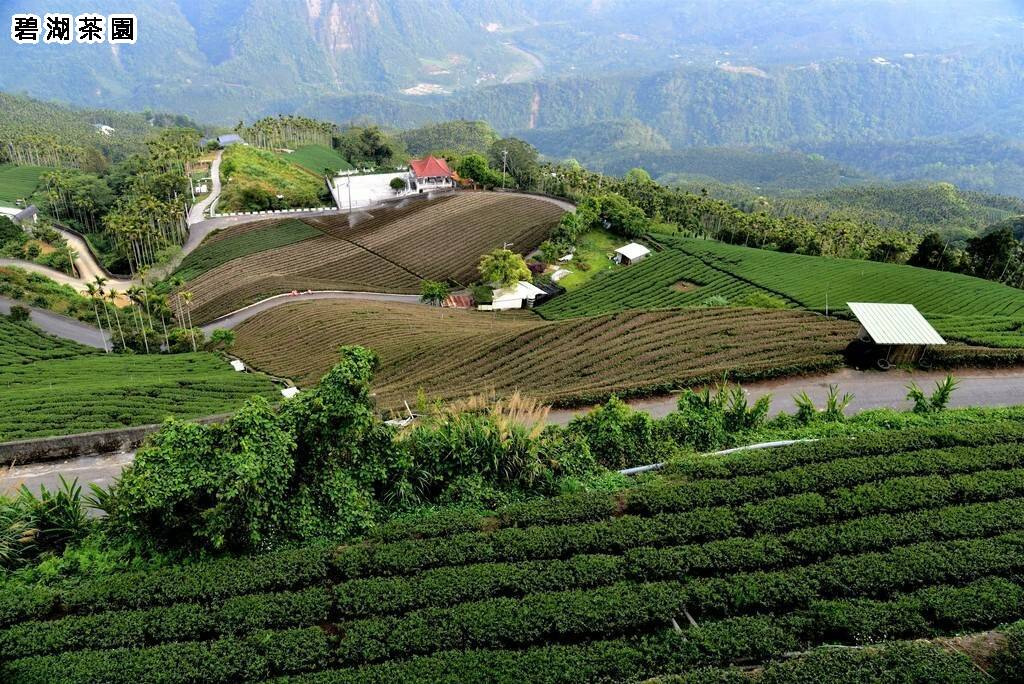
(504, 166)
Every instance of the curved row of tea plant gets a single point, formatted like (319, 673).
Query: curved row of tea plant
(384, 249)
(24, 343)
(849, 541)
(452, 354)
(53, 387)
(961, 307)
(214, 253)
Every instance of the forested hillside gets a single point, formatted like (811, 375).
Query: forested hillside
(33, 132)
(912, 207)
(221, 61)
(710, 105)
(977, 162)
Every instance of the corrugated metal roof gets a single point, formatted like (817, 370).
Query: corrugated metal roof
(895, 323)
(633, 251)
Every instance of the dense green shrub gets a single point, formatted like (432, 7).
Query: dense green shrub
(978, 605)
(447, 585)
(179, 622)
(252, 657)
(1010, 663)
(619, 436)
(920, 663)
(19, 314)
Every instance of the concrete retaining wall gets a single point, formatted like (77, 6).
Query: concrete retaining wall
(85, 444)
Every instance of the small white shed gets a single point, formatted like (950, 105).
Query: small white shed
(239, 366)
(289, 392)
(630, 254)
(519, 296)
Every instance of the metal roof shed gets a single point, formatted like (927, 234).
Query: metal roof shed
(899, 327)
(895, 324)
(631, 253)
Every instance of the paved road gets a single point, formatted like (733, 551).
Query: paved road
(102, 470)
(236, 318)
(1003, 387)
(62, 326)
(871, 389)
(86, 265)
(198, 210)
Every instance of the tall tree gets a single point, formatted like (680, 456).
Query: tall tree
(94, 293)
(504, 267)
(186, 297)
(517, 161)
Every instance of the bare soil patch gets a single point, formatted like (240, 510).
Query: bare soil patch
(685, 286)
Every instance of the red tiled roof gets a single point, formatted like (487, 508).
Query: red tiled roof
(430, 167)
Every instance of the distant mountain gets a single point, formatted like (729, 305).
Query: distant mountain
(220, 60)
(843, 100)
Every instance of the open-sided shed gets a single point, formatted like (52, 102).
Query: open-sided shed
(630, 254)
(895, 333)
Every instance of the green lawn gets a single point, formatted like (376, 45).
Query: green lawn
(18, 182)
(216, 253)
(593, 250)
(50, 386)
(316, 158)
(255, 180)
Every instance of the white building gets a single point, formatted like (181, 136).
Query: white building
(630, 254)
(24, 217)
(522, 295)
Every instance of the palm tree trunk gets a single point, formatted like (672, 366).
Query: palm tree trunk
(96, 311)
(120, 332)
(191, 330)
(110, 326)
(142, 327)
(167, 338)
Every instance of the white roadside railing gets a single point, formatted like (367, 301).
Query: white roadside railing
(273, 212)
(752, 447)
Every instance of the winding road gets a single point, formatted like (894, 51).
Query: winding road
(85, 263)
(871, 390)
(1002, 387)
(238, 317)
(992, 388)
(198, 210)
(61, 326)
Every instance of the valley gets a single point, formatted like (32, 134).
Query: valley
(670, 341)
